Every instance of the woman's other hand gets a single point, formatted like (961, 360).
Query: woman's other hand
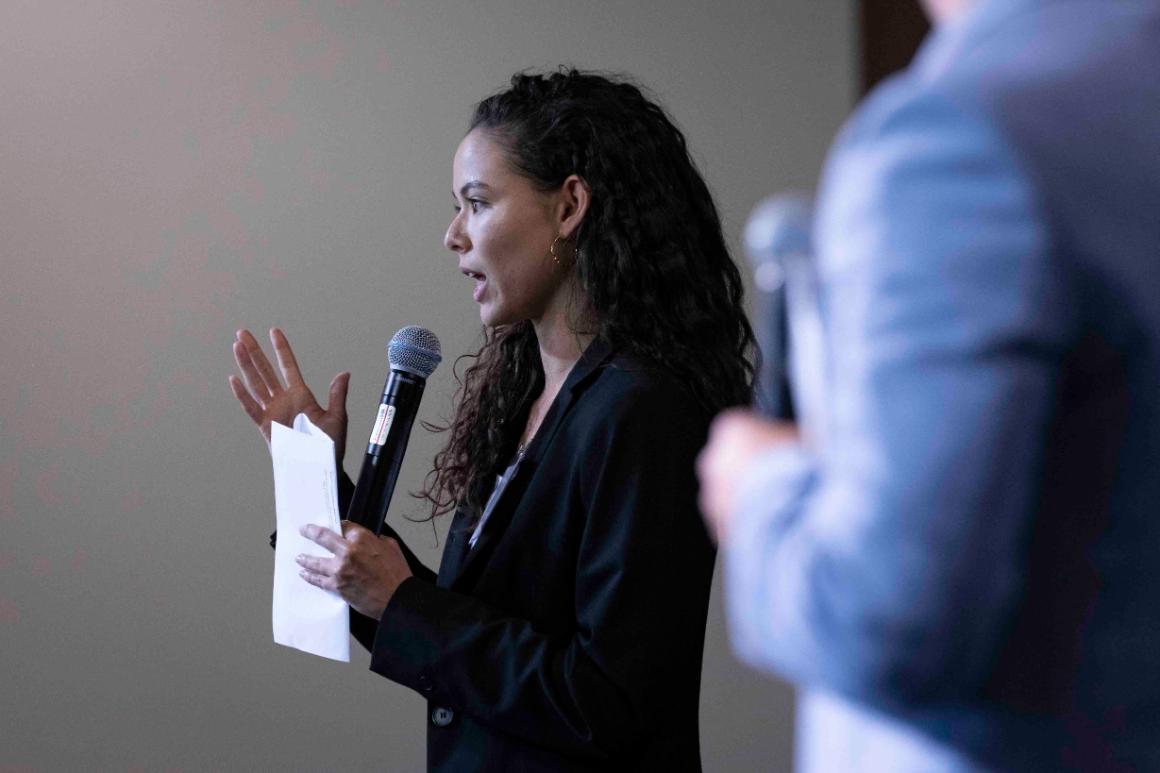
(365, 569)
(265, 399)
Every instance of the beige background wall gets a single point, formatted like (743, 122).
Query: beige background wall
(170, 171)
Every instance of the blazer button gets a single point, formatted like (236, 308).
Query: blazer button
(442, 717)
(425, 683)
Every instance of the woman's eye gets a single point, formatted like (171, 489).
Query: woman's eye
(474, 204)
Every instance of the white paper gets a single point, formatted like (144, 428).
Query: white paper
(305, 617)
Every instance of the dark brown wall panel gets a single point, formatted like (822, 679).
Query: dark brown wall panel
(890, 31)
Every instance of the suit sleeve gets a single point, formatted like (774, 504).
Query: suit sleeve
(363, 628)
(642, 583)
(888, 564)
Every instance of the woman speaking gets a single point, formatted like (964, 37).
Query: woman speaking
(565, 628)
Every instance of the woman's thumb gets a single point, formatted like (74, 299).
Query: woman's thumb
(336, 400)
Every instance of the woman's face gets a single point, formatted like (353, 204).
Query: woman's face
(502, 231)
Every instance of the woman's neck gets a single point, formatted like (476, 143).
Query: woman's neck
(563, 335)
(560, 349)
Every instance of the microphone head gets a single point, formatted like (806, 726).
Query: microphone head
(778, 227)
(415, 350)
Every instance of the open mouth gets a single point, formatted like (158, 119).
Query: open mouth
(480, 283)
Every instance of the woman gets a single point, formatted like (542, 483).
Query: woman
(564, 630)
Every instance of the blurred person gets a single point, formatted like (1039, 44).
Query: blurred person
(958, 571)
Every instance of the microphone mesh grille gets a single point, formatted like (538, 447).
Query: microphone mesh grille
(415, 350)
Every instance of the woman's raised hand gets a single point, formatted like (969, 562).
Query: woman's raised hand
(265, 399)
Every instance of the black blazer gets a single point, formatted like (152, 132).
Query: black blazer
(570, 637)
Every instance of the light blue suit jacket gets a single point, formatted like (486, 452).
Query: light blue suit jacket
(965, 570)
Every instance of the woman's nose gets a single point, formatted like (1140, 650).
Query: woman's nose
(455, 240)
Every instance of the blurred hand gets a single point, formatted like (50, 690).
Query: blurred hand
(736, 437)
(265, 399)
(365, 569)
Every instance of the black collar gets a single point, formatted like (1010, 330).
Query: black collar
(583, 372)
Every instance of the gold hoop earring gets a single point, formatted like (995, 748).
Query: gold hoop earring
(552, 251)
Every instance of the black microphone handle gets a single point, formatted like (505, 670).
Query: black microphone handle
(772, 396)
(385, 449)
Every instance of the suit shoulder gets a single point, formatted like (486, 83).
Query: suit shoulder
(1028, 70)
(628, 392)
(635, 381)
(634, 411)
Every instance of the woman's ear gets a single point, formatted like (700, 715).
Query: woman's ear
(575, 196)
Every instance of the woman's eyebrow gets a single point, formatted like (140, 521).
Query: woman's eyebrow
(472, 185)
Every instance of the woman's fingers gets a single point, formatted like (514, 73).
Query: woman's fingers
(336, 399)
(317, 564)
(263, 367)
(325, 537)
(324, 581)
(249, 404)
(254, 381)
(285, 356)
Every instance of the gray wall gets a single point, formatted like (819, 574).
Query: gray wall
(172, 171)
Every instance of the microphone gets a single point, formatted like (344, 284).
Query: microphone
(413, 354)
(777, 241)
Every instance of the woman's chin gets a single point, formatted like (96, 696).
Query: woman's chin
(496, 317)
(491, 316)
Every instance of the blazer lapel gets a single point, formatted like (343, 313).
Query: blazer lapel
(455, 550)
(494, 529)
(472, 559)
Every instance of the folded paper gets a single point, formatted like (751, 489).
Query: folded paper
(305, 617)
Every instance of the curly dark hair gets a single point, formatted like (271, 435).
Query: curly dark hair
(651, 260)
